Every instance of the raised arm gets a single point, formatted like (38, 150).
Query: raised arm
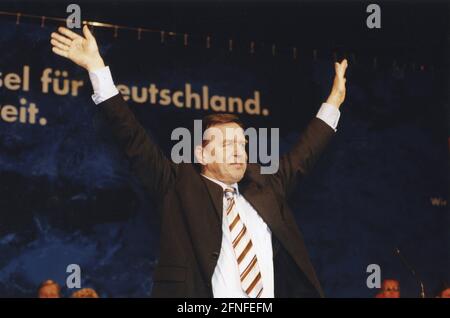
(148, 163)
(311, 143)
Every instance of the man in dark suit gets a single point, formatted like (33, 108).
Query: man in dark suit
(226, 229)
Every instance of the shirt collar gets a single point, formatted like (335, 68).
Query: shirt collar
(224, 185)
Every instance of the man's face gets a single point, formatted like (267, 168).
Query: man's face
(445, 293)
(224, 157)
(391, 288)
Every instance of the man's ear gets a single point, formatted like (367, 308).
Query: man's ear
(198, 153)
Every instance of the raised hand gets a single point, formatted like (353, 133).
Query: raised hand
(337, 95)
(81, 50)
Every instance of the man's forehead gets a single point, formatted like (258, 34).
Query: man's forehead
(228, 131)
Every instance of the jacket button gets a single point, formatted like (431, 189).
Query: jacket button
(215, 255)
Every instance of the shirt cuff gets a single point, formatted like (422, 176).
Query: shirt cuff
(329, 114)
(103, 85)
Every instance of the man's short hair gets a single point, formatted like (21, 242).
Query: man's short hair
(49, 282)
(85, 293)
(219, 119)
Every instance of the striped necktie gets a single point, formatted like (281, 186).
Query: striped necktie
(249, 272)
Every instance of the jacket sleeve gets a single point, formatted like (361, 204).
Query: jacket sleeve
(301, 158)
(147, 162)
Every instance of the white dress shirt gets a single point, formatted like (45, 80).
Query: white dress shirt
(226, 280)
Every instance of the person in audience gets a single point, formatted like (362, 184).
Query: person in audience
(85, 293)
(49, 289)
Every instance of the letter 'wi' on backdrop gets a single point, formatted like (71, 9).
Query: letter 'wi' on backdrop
(67, 196)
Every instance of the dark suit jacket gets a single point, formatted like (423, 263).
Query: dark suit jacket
(191, 210)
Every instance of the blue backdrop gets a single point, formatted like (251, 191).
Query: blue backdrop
(67, 196)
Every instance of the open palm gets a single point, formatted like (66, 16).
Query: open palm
(81, 50)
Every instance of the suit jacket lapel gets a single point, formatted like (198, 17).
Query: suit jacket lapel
(254, 189)
(265, 203)
(216, 194)
(251, 187)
